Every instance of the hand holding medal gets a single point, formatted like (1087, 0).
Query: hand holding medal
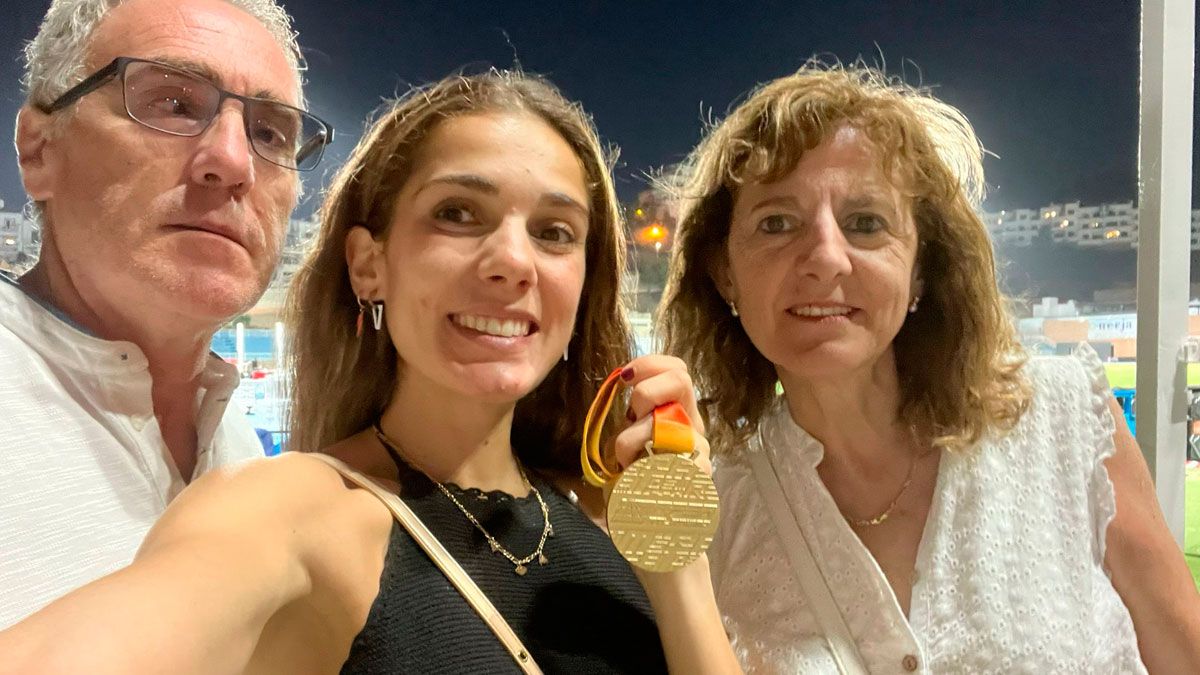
(662, 505)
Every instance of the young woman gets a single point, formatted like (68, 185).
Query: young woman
(451, 327)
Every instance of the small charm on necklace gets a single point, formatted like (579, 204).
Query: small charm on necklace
(495, 546)
(542, 559)
(549, 530)
(521, 570)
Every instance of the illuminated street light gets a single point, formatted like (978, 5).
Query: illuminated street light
(654, 234)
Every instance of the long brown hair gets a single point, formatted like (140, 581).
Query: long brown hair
(958, 359)
(341, 383)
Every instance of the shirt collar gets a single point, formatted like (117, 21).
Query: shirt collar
(67, 345)
(782, 436)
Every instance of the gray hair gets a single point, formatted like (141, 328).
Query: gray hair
(54, 58)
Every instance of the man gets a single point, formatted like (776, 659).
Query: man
(160, 143)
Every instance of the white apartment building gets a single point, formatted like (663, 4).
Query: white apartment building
(20, 240)
(1108, 225)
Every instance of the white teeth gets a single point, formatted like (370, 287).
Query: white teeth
(814, 311)
(493, 326)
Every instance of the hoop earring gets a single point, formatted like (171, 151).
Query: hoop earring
(733, 308)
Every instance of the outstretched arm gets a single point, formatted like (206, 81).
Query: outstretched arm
(227, 555)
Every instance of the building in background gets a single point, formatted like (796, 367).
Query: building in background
(1110, 225)
(20, 241)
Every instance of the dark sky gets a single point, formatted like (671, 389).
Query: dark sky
(1051, 86)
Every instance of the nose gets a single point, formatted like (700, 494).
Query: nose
(223, 158)
(825, 252)
(508, 259)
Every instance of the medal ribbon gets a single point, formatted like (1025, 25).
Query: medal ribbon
(671, 432)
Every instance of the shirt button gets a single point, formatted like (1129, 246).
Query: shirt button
(909, 662)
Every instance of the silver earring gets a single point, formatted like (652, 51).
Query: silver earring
(733, 308)
(565, 352)
(377, 313)
(912, 308)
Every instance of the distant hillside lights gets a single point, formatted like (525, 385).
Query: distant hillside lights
(1112, 225)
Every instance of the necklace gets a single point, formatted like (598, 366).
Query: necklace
(520, 564)
(882, 517)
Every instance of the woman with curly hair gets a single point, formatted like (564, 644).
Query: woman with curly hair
(922, 496)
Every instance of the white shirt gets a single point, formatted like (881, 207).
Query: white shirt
(1009, 572)
(84, 470)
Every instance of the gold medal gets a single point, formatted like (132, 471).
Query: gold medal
(662, 510)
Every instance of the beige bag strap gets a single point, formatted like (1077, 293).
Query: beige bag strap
(445, 562)
(804, 565)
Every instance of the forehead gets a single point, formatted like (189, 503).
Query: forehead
(517, 147)
(847, 155)
(215, 36)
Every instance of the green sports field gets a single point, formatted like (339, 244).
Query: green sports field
(1123, 374)
(1191, 527)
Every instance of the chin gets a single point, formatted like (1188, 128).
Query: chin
(499, 383)
(219, 302)
(825, 361)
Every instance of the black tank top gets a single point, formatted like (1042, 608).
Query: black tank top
(582, 612)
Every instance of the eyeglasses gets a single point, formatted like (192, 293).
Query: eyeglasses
(180, 103)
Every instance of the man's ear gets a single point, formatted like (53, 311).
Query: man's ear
(32, 139)
(366, 264)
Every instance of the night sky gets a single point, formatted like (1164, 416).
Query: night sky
(1051, 86)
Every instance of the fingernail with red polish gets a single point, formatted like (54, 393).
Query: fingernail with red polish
(627, 374)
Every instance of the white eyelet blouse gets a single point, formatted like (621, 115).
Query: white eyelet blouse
(1009, 572)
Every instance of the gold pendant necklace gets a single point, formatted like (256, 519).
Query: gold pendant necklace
(520, 564)
(882, 517)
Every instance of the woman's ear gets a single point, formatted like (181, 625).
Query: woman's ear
(918, 286)
(366, 263)
(718, 271)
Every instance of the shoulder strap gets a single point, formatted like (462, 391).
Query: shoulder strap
(445, 562)
(804, 565)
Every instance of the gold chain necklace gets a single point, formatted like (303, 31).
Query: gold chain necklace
(882, 517)
(519, 563)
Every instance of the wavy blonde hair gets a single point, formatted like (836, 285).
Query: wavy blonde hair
(958, 359)
(342, 383)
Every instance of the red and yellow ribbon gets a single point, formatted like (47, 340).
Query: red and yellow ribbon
(671, 432)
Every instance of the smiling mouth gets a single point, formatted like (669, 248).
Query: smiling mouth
(820, 312)
(506, 328)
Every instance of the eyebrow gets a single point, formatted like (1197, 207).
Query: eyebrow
(480, 184)
(779, 200)
(468, 180)
(563, 199)
(869, 197)
(206, 72)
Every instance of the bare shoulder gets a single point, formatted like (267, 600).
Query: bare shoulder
(294, 501)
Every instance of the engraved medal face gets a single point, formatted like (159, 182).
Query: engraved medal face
(662, 512)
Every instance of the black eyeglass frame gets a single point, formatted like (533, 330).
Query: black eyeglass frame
(116, 69)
